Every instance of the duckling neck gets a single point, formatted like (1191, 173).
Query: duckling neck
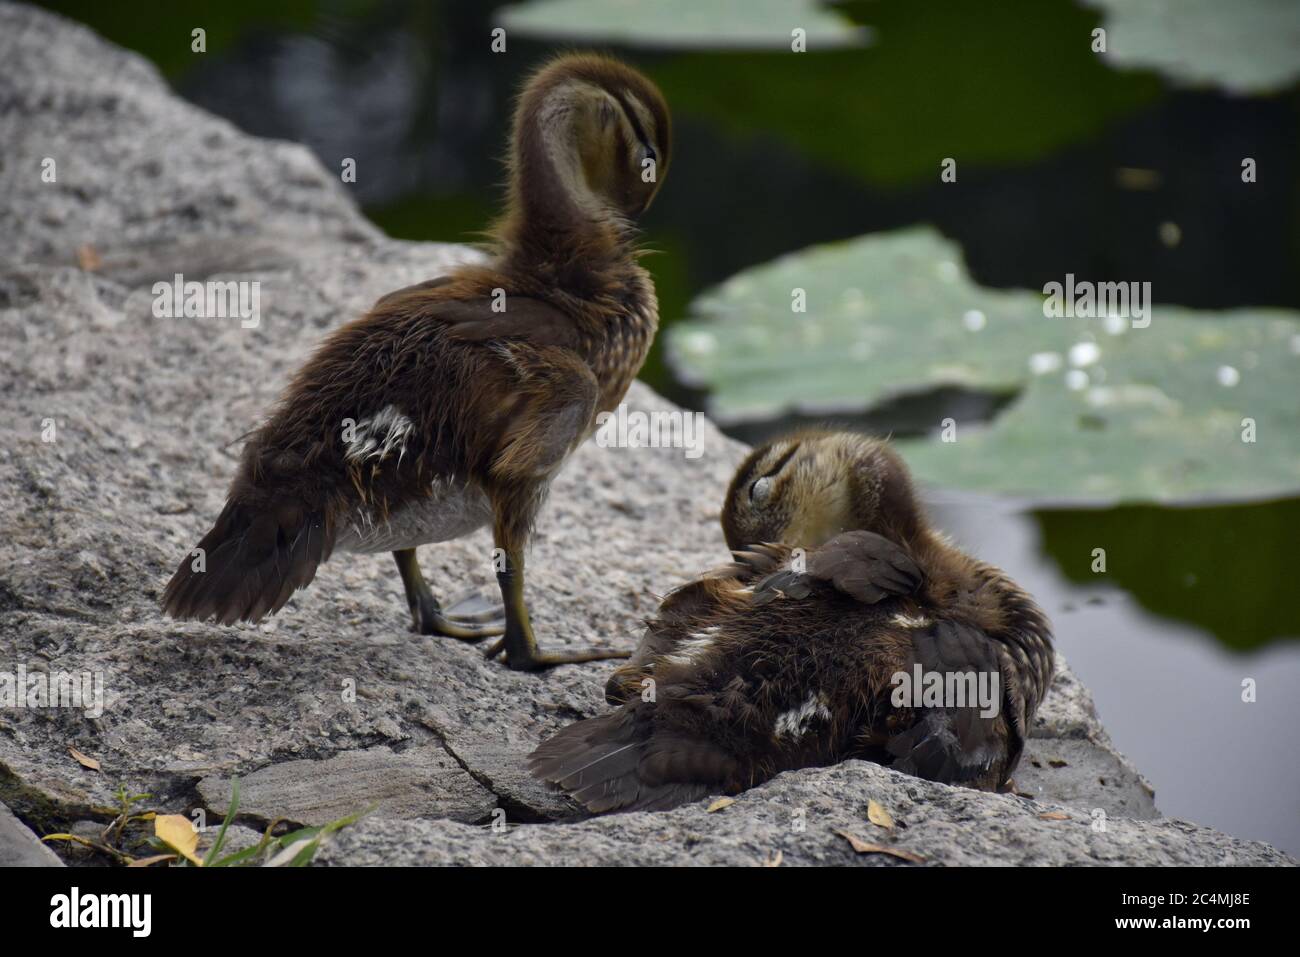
(554, 218)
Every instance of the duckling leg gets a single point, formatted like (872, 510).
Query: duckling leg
(427, 616)
(556, 404)
(521, 651)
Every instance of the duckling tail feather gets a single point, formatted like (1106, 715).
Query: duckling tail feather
(618, 763)
(250, 563)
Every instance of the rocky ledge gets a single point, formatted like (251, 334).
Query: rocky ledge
(120, 434)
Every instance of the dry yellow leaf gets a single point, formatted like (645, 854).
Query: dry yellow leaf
(176, 831)
(877, 814)
(88, 257)
(83, 760)
(719, 804)
(1053, 816)
(866, 847)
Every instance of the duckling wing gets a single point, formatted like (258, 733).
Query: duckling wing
(956, 745)
(632, 760)
(684, 611)
(475, 320)
(862, 565)
(482, 318)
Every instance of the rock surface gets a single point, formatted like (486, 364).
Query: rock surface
(19, 847)
(803, 818)
(120, 434)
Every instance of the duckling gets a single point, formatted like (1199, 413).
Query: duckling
(452, 404)
(790, 656)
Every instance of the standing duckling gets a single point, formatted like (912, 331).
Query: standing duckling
(452, 404)
(788, 657)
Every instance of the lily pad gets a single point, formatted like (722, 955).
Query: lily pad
(684, 24)
(1103, 411)
(861, 110)
(1246, 46)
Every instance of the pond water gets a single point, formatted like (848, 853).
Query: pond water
(1076, 169)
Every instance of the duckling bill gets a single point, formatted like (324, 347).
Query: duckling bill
(452, 404)
(790, 657)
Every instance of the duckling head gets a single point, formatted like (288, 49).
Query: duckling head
(805, 488)
(592, 139)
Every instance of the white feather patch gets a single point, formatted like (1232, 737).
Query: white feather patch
(795, 722)
(691, 649)
(383, 434)
(908, 621)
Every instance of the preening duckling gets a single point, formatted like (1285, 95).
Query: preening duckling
(462, 412)
(788, 657)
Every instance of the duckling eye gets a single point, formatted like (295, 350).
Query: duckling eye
(761, 490)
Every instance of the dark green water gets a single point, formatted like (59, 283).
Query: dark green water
(773, 155)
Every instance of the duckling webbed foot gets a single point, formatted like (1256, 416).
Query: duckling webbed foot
(469, 619)
(519, 645)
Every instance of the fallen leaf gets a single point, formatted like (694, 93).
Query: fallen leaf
(290, 853)
(719, 804)
(1053, 816)
(94, 845)
(772, 860)
(84, 761)
(1058, 762)
(87, 258)
(877, 814)
(176, 831)
(866, 847)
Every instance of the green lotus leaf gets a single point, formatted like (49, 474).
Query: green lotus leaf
(684, 24)
(1196, 405)
(1247, 46)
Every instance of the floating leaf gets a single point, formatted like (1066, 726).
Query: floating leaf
(176, 831)
(676, 24)
(866, 847)
(719, 804)
(877, 814)
(84, 760)
(1101, 411)
(1247, 46)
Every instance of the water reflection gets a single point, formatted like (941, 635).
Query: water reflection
(1168, 694)
(1222, 569)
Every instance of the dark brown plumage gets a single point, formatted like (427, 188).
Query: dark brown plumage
(452, 403)
(786, 657)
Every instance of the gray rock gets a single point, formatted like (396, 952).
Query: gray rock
(800, 818)
(19, 847)
(418, 782)
(146, 416)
